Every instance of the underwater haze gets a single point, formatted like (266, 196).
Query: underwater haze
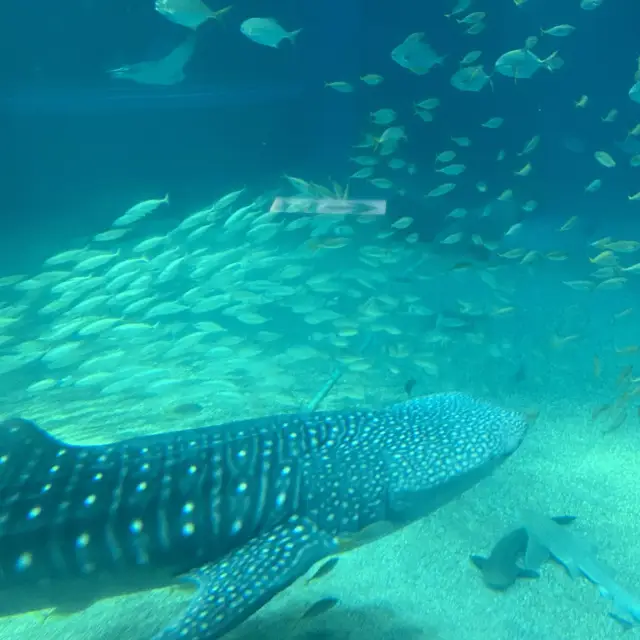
(420, 217)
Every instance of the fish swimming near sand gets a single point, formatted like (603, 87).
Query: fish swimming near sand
(500, 569)
(241, 509)
(578, 557)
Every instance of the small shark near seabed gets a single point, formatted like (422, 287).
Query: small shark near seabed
(243, 509)
(500, 569)
(547, 538)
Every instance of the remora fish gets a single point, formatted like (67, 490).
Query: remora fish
(246, 508)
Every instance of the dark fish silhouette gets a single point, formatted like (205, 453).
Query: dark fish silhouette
(408, 387)
(500, 569)
(244, 508)
(187, 408)
(320, 607)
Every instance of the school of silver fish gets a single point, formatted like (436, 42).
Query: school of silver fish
(197, 309)
(239, 308)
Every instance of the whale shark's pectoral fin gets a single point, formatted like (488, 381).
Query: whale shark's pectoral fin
(232, 589)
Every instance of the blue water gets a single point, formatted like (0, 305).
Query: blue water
(72, 132)
(79, 148)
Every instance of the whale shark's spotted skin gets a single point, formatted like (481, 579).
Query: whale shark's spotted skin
(244, 508)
